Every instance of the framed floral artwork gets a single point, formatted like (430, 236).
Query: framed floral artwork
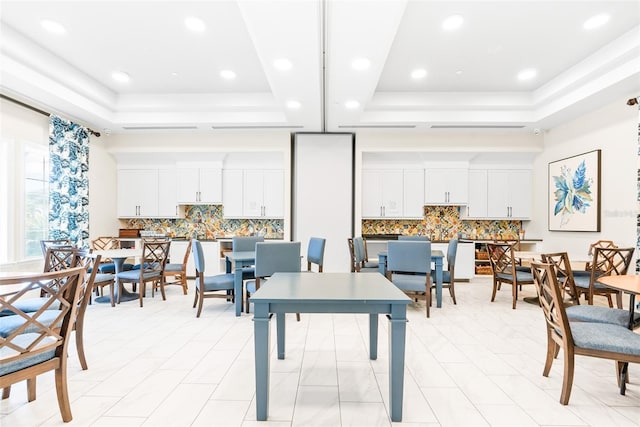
(574, 193)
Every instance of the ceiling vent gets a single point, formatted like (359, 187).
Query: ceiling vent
(377, 126)
(159, 127)
(258, 127)
(477, 126)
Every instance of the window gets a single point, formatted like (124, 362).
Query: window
(36, 198)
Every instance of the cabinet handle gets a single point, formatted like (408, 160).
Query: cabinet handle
(176, 210)
(384, 211)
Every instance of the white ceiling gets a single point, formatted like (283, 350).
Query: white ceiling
(175, 82)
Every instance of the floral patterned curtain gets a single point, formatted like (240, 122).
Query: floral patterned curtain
(68, 181)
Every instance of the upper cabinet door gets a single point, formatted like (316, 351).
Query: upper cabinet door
(232, 183)
(273, 196)
(371, 194)
(137, 193)
(167, 191)
(253, 193)
(520, 191)
(392, 193)
(413, 193)
(509, 194)
(188, 185)
(446, 186)
(477, 206)
(210, 185)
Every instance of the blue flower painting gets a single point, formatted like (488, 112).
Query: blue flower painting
(573, 187)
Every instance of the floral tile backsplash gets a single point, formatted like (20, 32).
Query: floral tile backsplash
(207, 222)
(443, 223)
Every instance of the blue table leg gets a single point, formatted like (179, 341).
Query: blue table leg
(237, 288)
(397, 332)
(373, 336)
(261, 329)
(438, 262)
(280, 331)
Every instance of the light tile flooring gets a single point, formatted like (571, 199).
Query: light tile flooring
(474, 363)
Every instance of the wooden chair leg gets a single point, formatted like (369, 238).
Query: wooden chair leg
(609, 300)
(428, 301)
(143, 290)
(200, 302)
(495, 288)
(452, 291)
(552, 349)
(80, 342)
(183, 278)
(246, 307)
(567, 380)
(298, 317)
(514, 292)
(164, 297)
(619, 299)
(195, 298)
(6, 392)
(31, 389)
(63, 392)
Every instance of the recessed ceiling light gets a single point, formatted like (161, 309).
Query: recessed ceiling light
(228, 74)
(194, 24)
(282, 64)
(595, 21)
(419, 73)
(459, 73)
(293, 105)
(527, 74)
(352, 104)
(360, 64)
(120, 76)
(52, 26)
(174, 74)
(452, 23)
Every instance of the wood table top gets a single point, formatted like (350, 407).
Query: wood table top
(627, 282)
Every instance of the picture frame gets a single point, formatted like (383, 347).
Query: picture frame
(574, 193)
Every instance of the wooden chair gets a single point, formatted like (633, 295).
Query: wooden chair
(352, 255)
(409, 268)
(315, 253)
(154, 257)
(44, 244)
(606, 262)
(39, 345)
(209, 286)
(503, 266)
(178, 272)
(361, 262)
(599, 340)
(583, 313)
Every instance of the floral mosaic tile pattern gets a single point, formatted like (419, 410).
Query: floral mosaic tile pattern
(207, 222)
(443, 223)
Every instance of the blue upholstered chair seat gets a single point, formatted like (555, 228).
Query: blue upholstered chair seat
(446, 276)
(172, 267)
(521, 276)
(409, 282)
(24, 340)
(370, 264)
(111, 268)
(8, 324)
(219, 282)
(101, 277)
(602, 336)
(29, 305)
(135, 275)
(598, 314)
(583, 282)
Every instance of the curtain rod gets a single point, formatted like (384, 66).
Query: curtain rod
(44, 113)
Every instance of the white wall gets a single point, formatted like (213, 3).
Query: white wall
(614, 130)
(103, 219)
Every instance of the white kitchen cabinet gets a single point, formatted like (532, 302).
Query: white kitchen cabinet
(137, 193)
(199, 185)
(509, 194)
(413, 195)
(167, 194)
(477, 206)
(382, 193)
(232, 193)
(253, 193)
(446, 186)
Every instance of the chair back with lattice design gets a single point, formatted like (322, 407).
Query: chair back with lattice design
(60, 258)
(564, 274)
(154, 256)
(501, 257)
(550, 297)
(45, 244)
(105, 243)
(610, 261)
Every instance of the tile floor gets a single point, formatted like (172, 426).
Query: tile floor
(474, 363)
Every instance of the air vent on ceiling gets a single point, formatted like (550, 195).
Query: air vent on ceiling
(258, 127)
(377, 126)
(159, 127)
(477, 126)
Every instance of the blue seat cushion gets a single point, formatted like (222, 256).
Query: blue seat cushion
(219, 282)
(101, 278)
(23, 341)
(521, 276)
(173, 267)
(446, 276)
(371, 264)
(582, 281)
(8, 324)
(111, 268)
(134, 275)
(598, 314)
(409, 282)
(29, 305)
(604, 336)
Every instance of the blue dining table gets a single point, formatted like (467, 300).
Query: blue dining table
(235, 262)
(437, 258)
(308, 292)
